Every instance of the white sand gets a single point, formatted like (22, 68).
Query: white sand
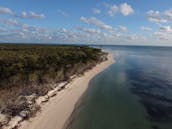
(58, 109)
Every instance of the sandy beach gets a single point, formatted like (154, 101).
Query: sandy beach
(58, 109)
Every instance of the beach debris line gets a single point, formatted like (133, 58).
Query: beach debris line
(34, 102)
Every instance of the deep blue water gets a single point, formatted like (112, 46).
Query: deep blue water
(133, 93)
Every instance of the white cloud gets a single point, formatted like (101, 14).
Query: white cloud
(5, 11)
(96, 11)
(159, 17)
(31, 15)
(168, 14)
(35, 15)
(155, 16)
(10, 22)
(164, 33)
(89, 30)
(14, 24)
(126, 9)
(163, 36)
(92, 34)
(123, 28)
(166, 29)
(96, 22)
(144, 28)
(113, 10)
(20, 32)
(27, 15)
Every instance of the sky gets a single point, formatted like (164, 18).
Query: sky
(107, 22)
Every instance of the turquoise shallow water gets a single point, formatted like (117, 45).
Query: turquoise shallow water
(133, 93)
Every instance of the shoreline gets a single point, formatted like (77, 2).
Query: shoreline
(56, 112)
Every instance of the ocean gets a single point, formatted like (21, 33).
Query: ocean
(133, 93)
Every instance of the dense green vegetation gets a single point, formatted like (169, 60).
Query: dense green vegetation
(23, 64)
(30, 69)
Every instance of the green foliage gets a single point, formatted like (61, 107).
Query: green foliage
(23, 64)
